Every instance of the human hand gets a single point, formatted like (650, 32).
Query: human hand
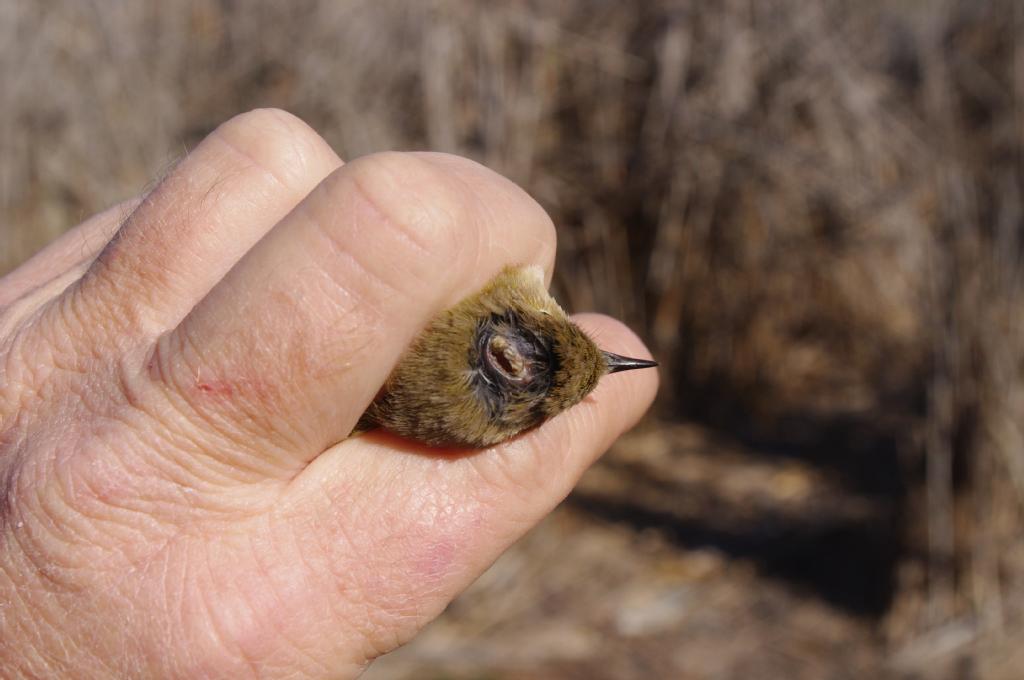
(174, 501)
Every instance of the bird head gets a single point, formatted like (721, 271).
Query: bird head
(499, 362)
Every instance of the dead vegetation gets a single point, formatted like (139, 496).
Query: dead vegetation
(813, 212)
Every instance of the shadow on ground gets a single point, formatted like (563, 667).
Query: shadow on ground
(840, 540)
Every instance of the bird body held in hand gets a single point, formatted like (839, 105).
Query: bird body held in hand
(499, 362)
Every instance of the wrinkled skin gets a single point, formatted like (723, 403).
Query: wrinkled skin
(175, 374)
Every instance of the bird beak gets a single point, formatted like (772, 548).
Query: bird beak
(618, 363)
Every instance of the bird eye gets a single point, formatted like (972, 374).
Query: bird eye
(504, 356)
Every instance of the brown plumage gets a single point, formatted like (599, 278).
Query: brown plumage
(499, 362)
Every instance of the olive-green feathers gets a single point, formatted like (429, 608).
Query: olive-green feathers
(499, 362)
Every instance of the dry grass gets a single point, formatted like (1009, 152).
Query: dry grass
(813, 211)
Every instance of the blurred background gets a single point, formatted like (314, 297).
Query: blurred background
(812, 211)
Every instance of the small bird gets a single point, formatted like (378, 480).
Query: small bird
(499, 362)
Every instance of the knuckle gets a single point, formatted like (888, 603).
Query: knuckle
(497, 198)
(421, 221)
(279, 142)
(109, 318)
(425, 207)
(222, 408)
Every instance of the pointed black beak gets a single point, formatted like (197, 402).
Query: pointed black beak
(618, 363)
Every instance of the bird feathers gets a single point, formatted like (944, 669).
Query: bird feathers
(499, 362)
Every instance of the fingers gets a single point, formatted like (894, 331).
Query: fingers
(415, 526)
(75, 247)
(216, 203)
(294, 343)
